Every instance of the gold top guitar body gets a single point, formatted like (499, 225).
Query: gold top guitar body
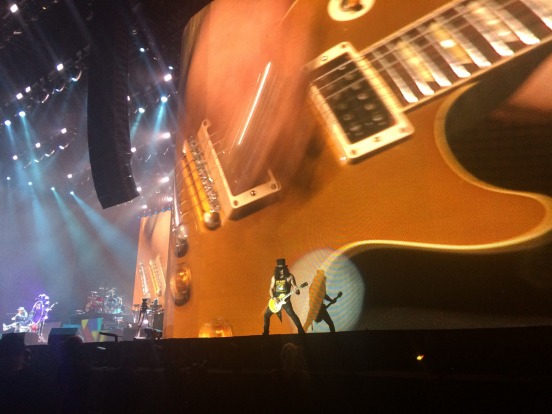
(275, 304)
(362, 162)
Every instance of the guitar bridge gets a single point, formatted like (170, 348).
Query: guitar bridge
(211, 188)
(354, 104)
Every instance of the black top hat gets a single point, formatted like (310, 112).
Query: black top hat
(281, 263)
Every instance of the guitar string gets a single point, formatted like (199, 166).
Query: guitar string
(216, 178)
(455, 30)
(409, 81)
(203, 196)
(189, 165)
(422, 35)
(392, 51)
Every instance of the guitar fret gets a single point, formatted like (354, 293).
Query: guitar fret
(387, 71)
(531, 18)
(517, 27)
(446, 48)
(412, 66)
(457, 42)
(542, 9)
(476, 18)
(422, 48)
(475, 55)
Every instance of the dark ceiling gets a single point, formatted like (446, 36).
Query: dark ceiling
(43, 33)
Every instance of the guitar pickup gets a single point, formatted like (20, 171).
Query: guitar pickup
(354, 104)
(211, 188)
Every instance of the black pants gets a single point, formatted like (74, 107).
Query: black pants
(289, 310)
(323, 315)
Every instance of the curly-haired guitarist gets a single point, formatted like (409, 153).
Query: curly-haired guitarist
(282, 285)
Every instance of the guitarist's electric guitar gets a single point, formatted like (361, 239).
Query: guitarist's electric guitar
(275, 304)
(253, 182)
(318, 318)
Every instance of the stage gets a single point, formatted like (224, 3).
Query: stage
(436, 370)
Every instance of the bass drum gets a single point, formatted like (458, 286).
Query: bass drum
(94, 305)
(37, 312)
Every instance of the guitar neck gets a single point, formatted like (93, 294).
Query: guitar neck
(457, 43)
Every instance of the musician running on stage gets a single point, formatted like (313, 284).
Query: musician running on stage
(282, 283)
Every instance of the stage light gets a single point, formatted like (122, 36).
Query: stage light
(141, 110)
(14, 8)
(27, 89)
(43, 95)
(30, 183)
(164, 180)
(133, 149)
(19, 95)
(75, 74)
(69, 175)
(63, 130)
(139, 189)
(166, 135)
(59, 67)
(53, 188)
(15, 157)
(167, 77)
(8, 178)
(22, 114)
(37, 145)
(60, 86)
(7, 122)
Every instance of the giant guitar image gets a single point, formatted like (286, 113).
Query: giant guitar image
(339, 134)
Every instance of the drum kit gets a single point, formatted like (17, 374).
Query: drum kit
(108, 302)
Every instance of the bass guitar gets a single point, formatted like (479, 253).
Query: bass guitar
(275, 304)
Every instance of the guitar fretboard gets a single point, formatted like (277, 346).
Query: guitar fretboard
(458, 42)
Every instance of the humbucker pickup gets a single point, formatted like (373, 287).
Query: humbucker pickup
(356, 108)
